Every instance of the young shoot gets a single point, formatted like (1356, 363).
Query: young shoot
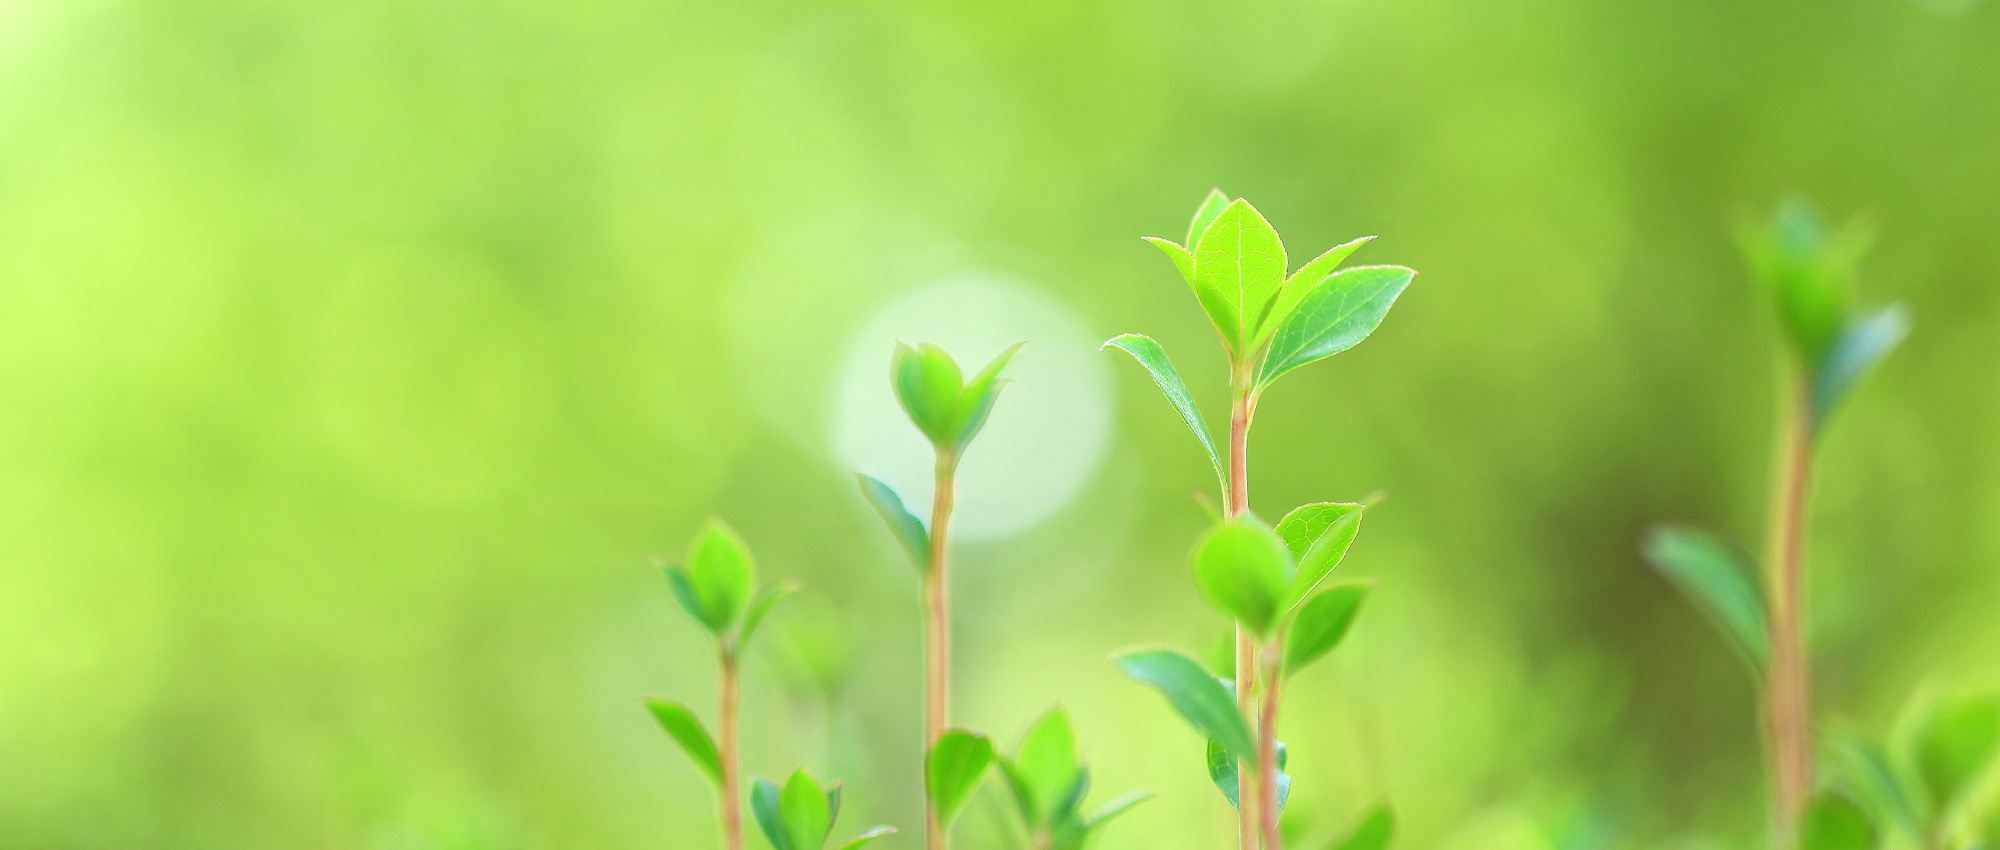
(717, 585)
(1808, 272)
(800, 816)
(1049, 782)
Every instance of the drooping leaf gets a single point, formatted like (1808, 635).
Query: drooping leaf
(1710, 573)
(1044, 771)
(807, 811)
(683, 590)
(687, 731)
(1318, 535)
(976, 402)
(721, 573)
(1222, 772)
(1201, 700)
(1956, 744)
(766, 807)
(1183, 258)
(1332, 316)
(761, 605)
(954, 767)
(1867, 771)
(1373, 832)
(1211, 207)
(1834, 822)
(1154, 359)
(1855, 351)
(1242, 259)
(928, 385)
(1301, 282)
(1323, 620)
(1243, 567)
(856, 842)
(908, 530)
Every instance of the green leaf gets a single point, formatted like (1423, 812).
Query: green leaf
(1808, 272)
(1833, 822)
(1154, 359)
(1867, 771)
(1956, 744)
(1241, 259)
(765, 806)
(1205, 215)
(1200, 699)
(1302, 281)
(928, 385)
(683, 589)
(864, 838)
(1710, 573)
(909, 530)
(761, 605)
(1242, 567)
(807, 811)
(687, 731)
(1045, 769)
(1116, 806)
(1859, 347)
(1182, 258)
(1322, 622)
(1333, 315)
(1318, 535)
(1222, 772)
(980, 393)
(953, 769)
(1377, 827)
(721, 574)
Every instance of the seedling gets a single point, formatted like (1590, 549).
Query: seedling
(801, 815)
(717, 586)
(949, 411)
(1267, 580)
(1049, 783)
(1922, 791)
(1808, 273)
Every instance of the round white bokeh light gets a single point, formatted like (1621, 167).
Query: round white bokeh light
(1047, 433)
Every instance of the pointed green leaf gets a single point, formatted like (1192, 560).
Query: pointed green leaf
(976, 402)
(1710, 573)
(687, 731)
(761, 605)
(683, 589)
(1322, 622)
(1222, 772)
(856, 842)
(1197, 696)
(808, 817)
(1302, 281)
(721, 573)
(1116, 806)
(953, 769)
(1879, 789)
(1833, 822)
(1242, 259)
(1045, 769)
(1318, 535)
(1333, 315)
(1205, 215)
(1377, 827)
(1956, 744)
(1809, 272)
(928, 385)
(1154, 359)
(766, 807)
(909, 530)
(1182, 258)
(1853, 353)
(1243, 567)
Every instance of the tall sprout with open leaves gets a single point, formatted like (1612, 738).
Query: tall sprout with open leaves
(717, 585)
(949, 410)
(1268, 580)
(1808, 272)
(801, 815)
(1049, 782)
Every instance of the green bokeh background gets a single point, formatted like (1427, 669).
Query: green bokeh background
(358, 359)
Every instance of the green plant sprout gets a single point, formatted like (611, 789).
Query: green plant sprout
(801, 815)
(1049, 783)
(717, 586)
(949, 411)
(1267, 580)
(1925, 791)
(1808, 272)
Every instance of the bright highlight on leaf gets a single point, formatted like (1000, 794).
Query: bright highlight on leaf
(954, 767)
(687, 731)
(1201, 700)
(1858, 348)
(716, 580)
(1321, 623)
(1239, 265)
(1222, 772)
(1243, 568)
(1332, 316)
(949, 410)
(1318, 536)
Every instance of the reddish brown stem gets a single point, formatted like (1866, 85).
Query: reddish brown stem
(937, 643)
(732, 813)
(1249, 787)
(1267, 747)
(1788, 694)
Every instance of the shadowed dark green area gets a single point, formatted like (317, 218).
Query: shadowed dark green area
(357, 360)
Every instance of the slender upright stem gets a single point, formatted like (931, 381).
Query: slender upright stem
(937, 640)
(732, 813)
(1248, 789)
(1788, 695)
(1267, 747)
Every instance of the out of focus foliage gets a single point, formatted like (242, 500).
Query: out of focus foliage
(357, 357)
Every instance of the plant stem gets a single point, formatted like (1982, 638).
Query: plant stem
(1788, 698)
(732, 813)
(1248, 789)
(937, 643)
(1267, 747)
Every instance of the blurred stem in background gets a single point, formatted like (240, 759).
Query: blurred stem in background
(937, 632)
(1788, 689)
(732, 806)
